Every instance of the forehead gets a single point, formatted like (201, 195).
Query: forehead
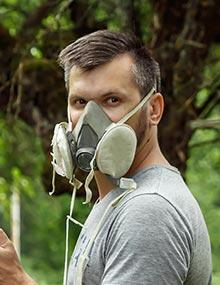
(116, 74)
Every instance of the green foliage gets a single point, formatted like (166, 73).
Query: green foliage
(216, 279)
(43, 245)
(203, 178)
(114, 15)
(14, 12)
(20, 161)
(19, 148)
(58, 20)
(203, 166)
(213, 66)
(35, 52)
(145, 18)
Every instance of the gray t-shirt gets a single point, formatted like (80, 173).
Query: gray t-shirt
(155, 235)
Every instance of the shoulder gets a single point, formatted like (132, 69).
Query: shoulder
(147, 210)
(149, 227)
(150, 215)
(165, 190)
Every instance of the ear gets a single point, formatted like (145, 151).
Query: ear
(156, 106)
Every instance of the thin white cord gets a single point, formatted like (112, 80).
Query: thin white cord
(75, 221)
(70, 125)
(72, 201)
(66, 253)
(53, 182)
(67, 235)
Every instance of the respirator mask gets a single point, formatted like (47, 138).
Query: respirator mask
(96, 143)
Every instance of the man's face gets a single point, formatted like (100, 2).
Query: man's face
(110, 85)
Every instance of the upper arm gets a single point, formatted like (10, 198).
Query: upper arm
(148, 243)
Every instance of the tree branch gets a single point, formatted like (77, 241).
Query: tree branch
(216, 140)
(132, 18)
(212, 106)
(212, 97)
(205, 124)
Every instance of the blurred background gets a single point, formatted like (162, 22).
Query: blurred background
(184, 36)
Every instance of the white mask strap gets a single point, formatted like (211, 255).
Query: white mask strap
(54, 165)
(67, 238)
(77, 184)
(89, 179)
(53, 181)
(70, 125)
(137, 108)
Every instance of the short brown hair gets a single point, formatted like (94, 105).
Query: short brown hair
(101, 47)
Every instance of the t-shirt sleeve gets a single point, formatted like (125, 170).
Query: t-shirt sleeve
(149, 242)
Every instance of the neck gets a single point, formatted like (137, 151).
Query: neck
(148, 153)
(104, 184)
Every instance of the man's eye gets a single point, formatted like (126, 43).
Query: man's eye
(112, 101)
(79, 103)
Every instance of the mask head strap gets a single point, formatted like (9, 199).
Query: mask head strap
(138, 107)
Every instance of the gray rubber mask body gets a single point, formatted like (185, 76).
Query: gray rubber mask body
(87, 133)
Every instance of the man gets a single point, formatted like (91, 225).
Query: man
(156, 233)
